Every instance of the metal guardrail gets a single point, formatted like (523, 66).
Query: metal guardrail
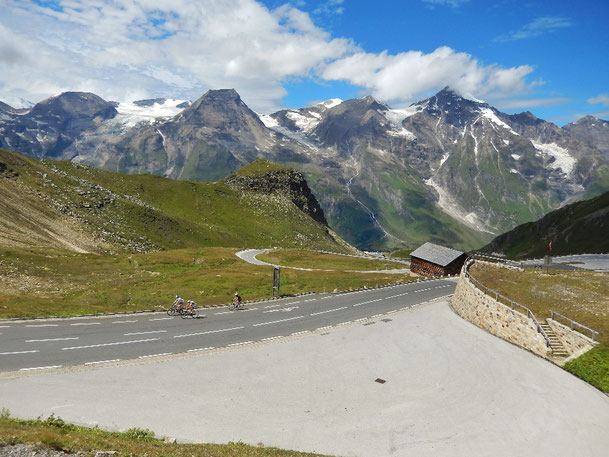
(496, 259)
(573, 324)
(506, 301)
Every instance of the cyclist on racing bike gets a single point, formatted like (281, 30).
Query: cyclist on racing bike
(237, 300)
(178, 302)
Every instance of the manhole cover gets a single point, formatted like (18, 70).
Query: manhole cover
(380, 381)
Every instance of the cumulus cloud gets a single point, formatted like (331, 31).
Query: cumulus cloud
(407, 75)
(129, 49)
(527, 103)
(602, 99)
(537, 27)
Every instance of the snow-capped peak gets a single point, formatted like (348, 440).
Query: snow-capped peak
(17, 102)
(330, 103)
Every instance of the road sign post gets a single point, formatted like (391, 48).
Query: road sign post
(276, 281)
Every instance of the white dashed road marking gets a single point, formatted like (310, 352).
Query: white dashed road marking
(123, 322)
(328, 311)
(52, 339)
(276, 322)
(40, 368)
(42, 325)
(366, 302)
(118, 343)
(18, 352)
(161, 319)
(102, 361)
(146, 333)
(208, 332)
(153, 355)
(87, 323)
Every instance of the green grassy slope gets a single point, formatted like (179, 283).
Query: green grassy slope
(64, 205)
(581, 227)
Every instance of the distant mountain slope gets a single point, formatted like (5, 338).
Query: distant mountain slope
(582, 227)
(446, 169)
(64, 205)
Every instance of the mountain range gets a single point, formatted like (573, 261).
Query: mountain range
(446, 169)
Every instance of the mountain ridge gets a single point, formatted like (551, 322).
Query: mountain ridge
(446, 169)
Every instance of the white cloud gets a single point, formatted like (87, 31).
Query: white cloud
(128, 49)
(177, 48)
(526, 103)
(602, 99)
(537, 27)
(451, 3)
(408, 75)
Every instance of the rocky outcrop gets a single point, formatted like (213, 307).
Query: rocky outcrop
(287, 182)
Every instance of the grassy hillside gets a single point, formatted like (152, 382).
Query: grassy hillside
(581, 227)
(64, 205)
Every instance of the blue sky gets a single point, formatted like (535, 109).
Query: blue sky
(548, 57)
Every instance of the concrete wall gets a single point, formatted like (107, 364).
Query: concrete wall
(574, 342)
(500, 320)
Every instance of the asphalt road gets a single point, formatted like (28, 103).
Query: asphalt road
(451, 389)
(39, 345)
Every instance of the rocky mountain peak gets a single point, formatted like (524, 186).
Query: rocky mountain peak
(75, 105)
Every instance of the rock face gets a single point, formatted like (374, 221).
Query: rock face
(287, 182)
(446, 169)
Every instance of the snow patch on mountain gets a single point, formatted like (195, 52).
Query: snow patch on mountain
(17, 102)
(447, 203)
(271, 123)
(516, 156)
(562, 159)
(131, 114)
(330, 103)
(304, 123)
(491, 116)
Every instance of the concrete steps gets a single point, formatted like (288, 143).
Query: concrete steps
(557, 348)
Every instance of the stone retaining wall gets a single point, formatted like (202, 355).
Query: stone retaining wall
(475, 306)
(573, 341)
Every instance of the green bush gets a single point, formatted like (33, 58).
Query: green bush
(592, 367)
(137, 433)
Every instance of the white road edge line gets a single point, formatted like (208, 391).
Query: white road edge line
(201, 349)
(153, 355)
(276, 322)
(239, 344)
(102, 361)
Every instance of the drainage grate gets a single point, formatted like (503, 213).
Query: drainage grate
(380, 381)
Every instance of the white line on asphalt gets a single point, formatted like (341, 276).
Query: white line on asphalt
(5, 326)
(325, 328)
(87, 323)
(201, 349)
(118, 343)
(366, 302)
(344, 323)
(146, 333)
(225, 312)
(292, 303)
(271, 306)
(328, 311)
(311, 299)
(208, 332)
(239, 344)
(161, 319)
(153, 355)
(301, 333)
(102, 361)
(275, 322)
(42, 325)
(398, 295)
(52, 339)
(40, 368)
(18, 352)
(123, 322)
(324, 298)
(271, 338)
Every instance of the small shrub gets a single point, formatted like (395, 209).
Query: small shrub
(5, 413)
(137, 433)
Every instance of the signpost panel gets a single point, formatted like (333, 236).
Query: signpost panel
(276, 281)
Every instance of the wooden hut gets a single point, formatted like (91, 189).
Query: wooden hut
(434, 260)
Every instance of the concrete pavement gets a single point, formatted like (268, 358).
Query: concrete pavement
(451, 389)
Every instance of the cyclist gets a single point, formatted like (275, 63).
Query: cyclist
(237, 300)
(178, 302)
(191, 305)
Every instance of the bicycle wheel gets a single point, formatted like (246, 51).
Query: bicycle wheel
(195, 313)
(171, 311)
(185, 314)
(231, 307)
